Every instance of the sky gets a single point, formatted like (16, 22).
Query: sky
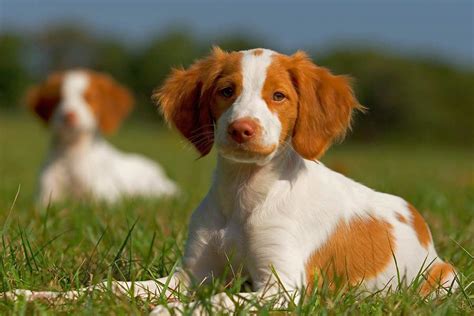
(440, 29)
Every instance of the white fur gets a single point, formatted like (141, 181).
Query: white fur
(82, 164)
(281, 217)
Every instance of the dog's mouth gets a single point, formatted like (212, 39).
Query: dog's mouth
(69, 127)
(248, 152)
(70, 130)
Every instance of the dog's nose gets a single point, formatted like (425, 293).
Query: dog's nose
(69, 118)
(242, 130)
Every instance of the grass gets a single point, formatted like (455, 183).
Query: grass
(72, 245)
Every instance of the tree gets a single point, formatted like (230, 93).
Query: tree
(419, 99)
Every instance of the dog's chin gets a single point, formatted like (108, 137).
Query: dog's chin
(248, 154)
(71, 133)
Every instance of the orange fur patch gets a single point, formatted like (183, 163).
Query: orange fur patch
(401, 218)
(437, 277)
(355, 251)
(189, 99)
(229, 76)
(325, 104)
(278, 80)
(109, 101)
(258, 52)
(420, 227)
(45, 97)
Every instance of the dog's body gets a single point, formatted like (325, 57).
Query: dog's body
(301, 218)
(272, 209)
(81, 163)
(97, 170)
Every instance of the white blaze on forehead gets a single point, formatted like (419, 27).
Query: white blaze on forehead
(254, 72)
(250, 102)
(73, 88)
(75, 84)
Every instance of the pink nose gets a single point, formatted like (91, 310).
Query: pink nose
(242, 130)
(70, 118)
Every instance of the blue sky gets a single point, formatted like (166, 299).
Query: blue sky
(428, 28)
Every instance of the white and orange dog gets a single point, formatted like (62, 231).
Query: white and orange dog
(273, 209)
(78, 104)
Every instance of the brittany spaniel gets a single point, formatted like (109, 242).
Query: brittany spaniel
(78, 105)
(273, 210)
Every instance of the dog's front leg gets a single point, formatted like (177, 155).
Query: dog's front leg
(167, 286)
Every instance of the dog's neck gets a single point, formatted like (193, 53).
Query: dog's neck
(73, 144)
(242, 187)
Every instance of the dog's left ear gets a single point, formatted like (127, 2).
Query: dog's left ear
(44, 98)
(110, 101)
(184, 100)
(325, 106)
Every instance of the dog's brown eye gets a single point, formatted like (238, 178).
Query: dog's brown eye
(227, 92)
(278, 96)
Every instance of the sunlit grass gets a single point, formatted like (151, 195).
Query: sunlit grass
(72, 245)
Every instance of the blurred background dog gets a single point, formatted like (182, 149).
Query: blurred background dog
(79, 105)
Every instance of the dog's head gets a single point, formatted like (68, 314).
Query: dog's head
(78, 101)
(254, 103)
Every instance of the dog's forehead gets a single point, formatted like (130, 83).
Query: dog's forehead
(258, 53)
(255, 63)
(74, 84)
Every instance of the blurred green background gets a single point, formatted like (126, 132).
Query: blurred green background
(408, 98)
(414, 75)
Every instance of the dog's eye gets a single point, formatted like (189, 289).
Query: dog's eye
(227, 92)
(278, 96)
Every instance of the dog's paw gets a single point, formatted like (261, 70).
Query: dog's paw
(30, 295)
(16, 294)
(24, 294)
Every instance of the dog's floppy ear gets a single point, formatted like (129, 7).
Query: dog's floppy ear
(325, 106)
(110, 101)
(45, 97)
(184, 100)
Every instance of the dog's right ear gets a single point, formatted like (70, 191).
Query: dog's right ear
(184, 100)
(325, 106)
(45, 97)
(110, 101)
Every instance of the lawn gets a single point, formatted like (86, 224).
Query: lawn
(73, 245)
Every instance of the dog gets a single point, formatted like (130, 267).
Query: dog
(288, 221)
(78, 105)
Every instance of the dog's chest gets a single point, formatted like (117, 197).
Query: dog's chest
(231, 242)
(69, 175)
(244, 209)
(237, 237)
(82, 173)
